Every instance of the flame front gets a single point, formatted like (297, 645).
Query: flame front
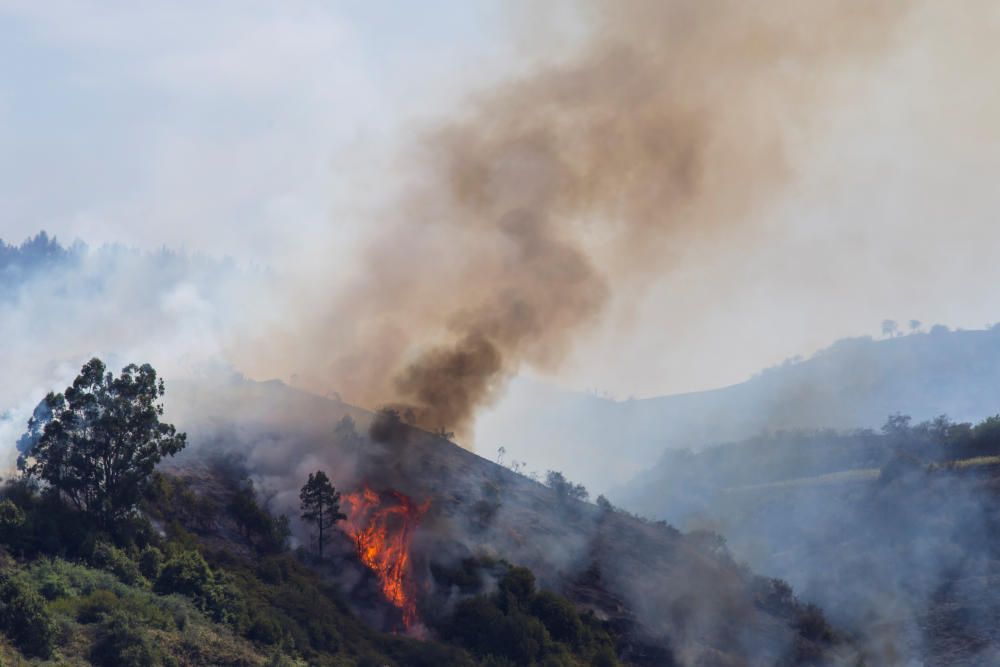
(381, 526)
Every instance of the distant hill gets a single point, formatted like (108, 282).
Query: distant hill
(855, 382)
(893, 533)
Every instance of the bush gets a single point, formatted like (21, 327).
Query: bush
(523, 638)
(11, 519)
(54, 586)
(96, 606)
(273, 570)
(121, 643)
(564, 488)
(269, 534)
(812, 625)
(111, 559)
(518, 626)
(24, 619)
(323, 635)
(150, 562)
(604, 657)
(517, 586)
(476, 624)
(266, 630)
(186, 573)
(559, 617)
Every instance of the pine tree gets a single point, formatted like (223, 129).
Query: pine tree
(320, 505)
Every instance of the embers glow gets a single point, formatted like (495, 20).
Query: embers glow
(381, 525)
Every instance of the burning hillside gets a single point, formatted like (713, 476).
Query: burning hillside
(437, 526)
(381, 526)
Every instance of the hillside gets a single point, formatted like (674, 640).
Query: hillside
(444, 558)
(853, 383)
(894, 533)
(692, 602)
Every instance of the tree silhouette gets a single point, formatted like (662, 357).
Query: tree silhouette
(320, 505)
(101, 440)
(564, 488)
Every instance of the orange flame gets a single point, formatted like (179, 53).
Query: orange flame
(381, 526)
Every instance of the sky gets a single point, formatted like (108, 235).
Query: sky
(229, 127)
(270, 132)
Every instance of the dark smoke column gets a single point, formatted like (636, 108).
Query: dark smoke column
(548, 197)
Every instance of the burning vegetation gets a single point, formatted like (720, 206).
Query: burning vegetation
(381, 526)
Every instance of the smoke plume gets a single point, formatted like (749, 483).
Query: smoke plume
(552, 195)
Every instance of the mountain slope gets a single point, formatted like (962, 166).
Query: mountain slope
(894, 534)
(675, 599)
(854, 383)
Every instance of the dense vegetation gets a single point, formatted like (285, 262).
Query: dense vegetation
(517, 624)
(104, 561)
(36, 254)
(692, 477)
(141, 597)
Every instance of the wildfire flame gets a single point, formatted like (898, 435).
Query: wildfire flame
(381, 525)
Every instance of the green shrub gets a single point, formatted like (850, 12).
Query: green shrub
(323, 635)
(111, 559)
(558, 659)
(475, 624)
(24, 619)
(96, 606)
(559, 617)
(497, 661)
(186, 573)
(121, 643)
(54, 586)
(11, 520)
(518, 626)
(517, 586)
(273, 569)
(604, 657)
(265, 629)
(150, 562)
(523, 638)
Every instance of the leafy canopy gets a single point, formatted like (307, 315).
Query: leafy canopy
(320, 504)
(102, 439)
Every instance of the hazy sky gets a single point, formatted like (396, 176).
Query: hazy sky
(265, 130)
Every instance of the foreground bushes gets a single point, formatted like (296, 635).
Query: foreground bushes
(144, 598)
(519, 626)
(122, 643)
(24, 619)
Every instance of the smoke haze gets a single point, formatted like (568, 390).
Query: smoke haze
(580, 181)
(673, 194)
(664, 172)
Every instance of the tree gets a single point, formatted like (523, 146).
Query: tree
(897, 425)
(889, 328)
(345, 433)
(320, 505)
(564, 488)
(387, 425)
(102, 439)
(605, 504)
(259, 527)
